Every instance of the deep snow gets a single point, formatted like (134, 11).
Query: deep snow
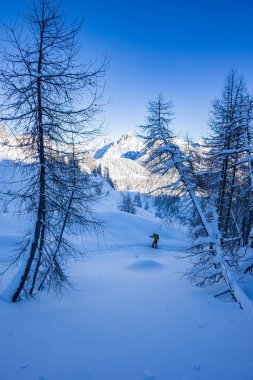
(131, 315)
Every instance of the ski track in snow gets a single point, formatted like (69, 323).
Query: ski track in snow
(130, 316)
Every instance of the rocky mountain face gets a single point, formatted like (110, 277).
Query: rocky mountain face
(121, 163)
(128, 146)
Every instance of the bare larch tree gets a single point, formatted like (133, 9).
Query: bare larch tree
(49, 103)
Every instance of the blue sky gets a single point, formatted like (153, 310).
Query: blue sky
(181, 48)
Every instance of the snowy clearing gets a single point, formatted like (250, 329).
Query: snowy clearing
(130, 316)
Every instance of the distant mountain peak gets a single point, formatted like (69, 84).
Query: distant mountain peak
(128, 146)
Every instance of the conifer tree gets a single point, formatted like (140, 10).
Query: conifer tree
(229, 164)
(210, 258)
(127, 204)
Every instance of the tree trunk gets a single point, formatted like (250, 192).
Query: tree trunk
(41, 214)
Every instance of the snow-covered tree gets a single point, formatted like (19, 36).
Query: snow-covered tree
(137, 200)
(210, 259)
(108, 176)
(156, 131)
(167, 207)
(127, 204)
(229, 165)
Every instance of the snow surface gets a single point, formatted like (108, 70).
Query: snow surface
(129, 316)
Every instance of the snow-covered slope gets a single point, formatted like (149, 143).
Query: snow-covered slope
(129, 316)
(125, 174)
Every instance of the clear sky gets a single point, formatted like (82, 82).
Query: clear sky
(181, 48)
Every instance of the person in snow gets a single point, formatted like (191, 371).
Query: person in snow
(156, 238)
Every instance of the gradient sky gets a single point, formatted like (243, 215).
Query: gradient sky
(181, 48)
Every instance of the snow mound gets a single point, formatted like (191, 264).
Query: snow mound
(144, 265)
